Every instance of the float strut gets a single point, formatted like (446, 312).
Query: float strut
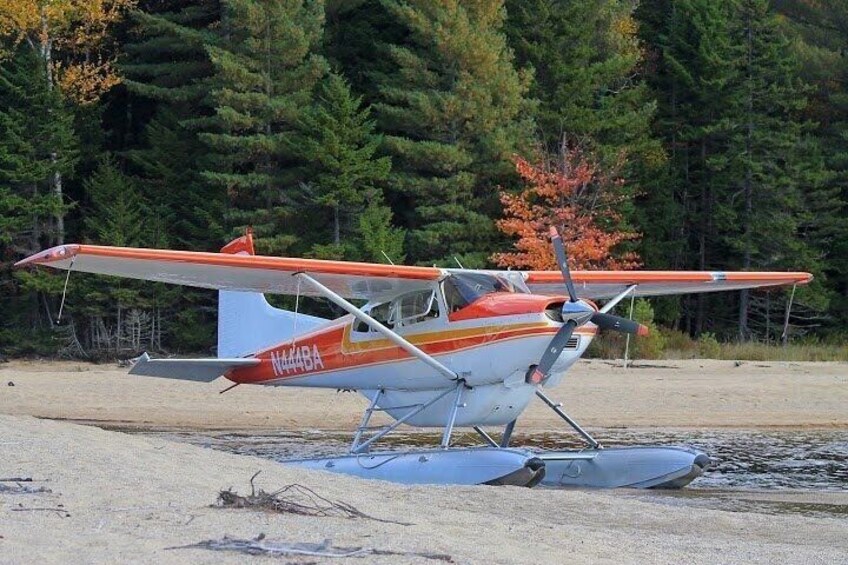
(555, 407)
(452, 419)
(382, 433)
(366, 417)
(485, 436)
(507, 435)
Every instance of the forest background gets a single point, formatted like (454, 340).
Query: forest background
(661, 134)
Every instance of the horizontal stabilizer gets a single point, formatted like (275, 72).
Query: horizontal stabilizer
(201, 370)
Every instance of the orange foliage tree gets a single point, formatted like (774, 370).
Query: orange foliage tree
(69, 36)
(572, 194)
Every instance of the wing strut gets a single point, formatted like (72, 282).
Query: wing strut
(377, 326)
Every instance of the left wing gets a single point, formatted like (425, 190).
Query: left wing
(607, 284)
(249, 273)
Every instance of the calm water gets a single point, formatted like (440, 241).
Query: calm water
(770, 460)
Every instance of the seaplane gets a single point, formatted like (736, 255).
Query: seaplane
(429, 347)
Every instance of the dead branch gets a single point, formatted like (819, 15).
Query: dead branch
(294, 499)
(261, 546)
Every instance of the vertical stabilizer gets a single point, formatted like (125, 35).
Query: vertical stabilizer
(247, 323)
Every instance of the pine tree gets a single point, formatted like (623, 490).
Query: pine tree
(33, 121)
(820, 39)
(454, 111)
(381, 242)
(692, 65)
(339, 144)
(741, 168)
(168, 76)
(585, 57)
(266, 66)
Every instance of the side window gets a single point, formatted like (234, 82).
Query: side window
(405, 310)
(381, 313)
(415, 307)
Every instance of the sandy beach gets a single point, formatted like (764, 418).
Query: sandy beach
(128, 498)
(667, 394)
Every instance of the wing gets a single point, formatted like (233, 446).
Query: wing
(226, 271)
(606, 284)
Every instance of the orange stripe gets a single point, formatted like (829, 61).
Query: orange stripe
(333, 361)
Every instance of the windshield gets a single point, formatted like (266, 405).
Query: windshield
(461, 289)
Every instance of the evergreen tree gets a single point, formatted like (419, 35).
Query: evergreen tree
(169, 78)
(266, 66)
(380, 241)
(693, 64)
(585, 57)
(820, 39)
(339, 144)
(454, 112)
(33, 121)
(741, 168)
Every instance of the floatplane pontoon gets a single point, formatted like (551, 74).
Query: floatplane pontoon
(431, 348)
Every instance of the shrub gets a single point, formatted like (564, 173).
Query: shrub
(708, 346)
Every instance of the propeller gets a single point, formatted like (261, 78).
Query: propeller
(575, 313)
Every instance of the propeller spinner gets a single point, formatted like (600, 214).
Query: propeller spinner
(575, 313)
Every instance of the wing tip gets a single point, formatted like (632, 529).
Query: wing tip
(58, 253)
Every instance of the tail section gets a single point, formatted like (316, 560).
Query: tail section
(247, 323)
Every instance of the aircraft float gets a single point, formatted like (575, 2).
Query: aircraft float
(431, 348)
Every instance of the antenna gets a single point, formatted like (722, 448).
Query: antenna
(457, 262)
(389, 259)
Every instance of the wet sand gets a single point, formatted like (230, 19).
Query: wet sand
(130, 497)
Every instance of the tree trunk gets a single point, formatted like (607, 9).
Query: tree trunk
(748, 188)
(47, 56)
(336, 231)
(702, 238)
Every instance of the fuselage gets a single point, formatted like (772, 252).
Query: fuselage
(490, 341)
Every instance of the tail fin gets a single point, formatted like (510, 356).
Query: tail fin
(247, 323)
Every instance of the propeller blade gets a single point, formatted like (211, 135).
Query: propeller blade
(560, 340)
(562, 261)
(619, 324)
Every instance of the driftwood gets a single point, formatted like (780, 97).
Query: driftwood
(18, 488)
(261, 546)
(294, 499)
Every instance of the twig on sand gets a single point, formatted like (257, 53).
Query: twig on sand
(294, 499)
(59, 509)
(261, 546)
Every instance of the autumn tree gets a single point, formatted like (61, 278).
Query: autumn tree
(576, 197)
(70, 39)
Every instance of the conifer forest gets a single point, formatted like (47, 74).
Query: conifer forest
(656, 134)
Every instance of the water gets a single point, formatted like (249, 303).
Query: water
(753, 460)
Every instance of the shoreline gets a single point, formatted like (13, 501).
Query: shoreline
(685, 395)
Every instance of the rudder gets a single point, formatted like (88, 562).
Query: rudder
(247, 323)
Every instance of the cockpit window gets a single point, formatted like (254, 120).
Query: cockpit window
(461, 289)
